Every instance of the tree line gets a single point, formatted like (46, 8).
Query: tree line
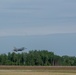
(37, 58)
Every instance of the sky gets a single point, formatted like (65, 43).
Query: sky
(32, 23)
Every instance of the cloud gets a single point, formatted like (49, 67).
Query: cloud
(37, 31)
(72, 1)
(37, 17)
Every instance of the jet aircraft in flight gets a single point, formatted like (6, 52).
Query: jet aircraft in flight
(18, 49)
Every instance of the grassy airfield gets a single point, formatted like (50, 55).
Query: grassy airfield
(37, 70)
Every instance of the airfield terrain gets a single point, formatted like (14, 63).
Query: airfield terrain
(37, 70)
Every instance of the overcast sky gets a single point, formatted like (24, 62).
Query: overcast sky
(38, 18)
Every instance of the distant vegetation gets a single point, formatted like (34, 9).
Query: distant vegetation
(37, 58)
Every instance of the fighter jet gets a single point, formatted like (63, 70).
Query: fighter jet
(18, 49)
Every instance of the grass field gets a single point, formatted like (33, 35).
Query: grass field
(34, 70)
